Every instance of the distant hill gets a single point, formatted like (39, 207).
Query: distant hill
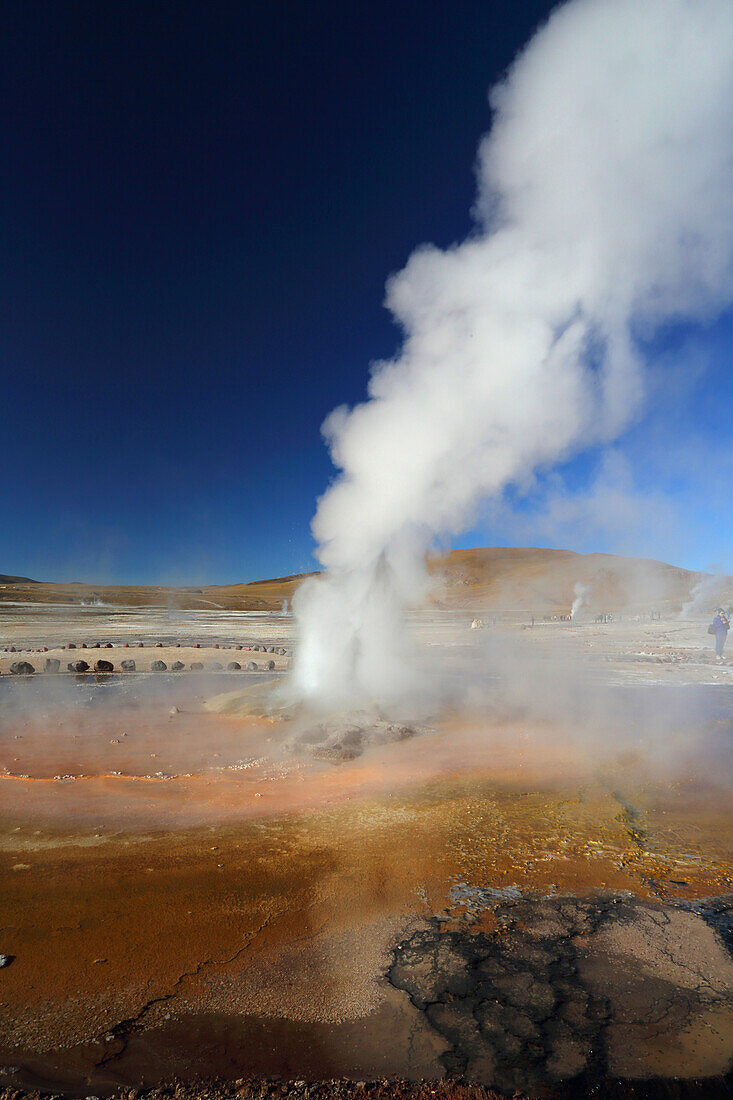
(502, 579)
(265, 595)
(544, 582)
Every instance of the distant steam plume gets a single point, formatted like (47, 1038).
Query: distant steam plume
(605, 208)
(711, 588)
(580, 592)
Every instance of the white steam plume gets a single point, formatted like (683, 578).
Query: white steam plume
(703, 595)
(605, 208)
(580, 592)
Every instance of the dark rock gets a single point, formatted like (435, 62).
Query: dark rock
(81, 666)
(96, 646)
(71, 645)
(22, 668)
(256, 648)
(84, 645)
(104, 666)
(353, 737)
(159, 666)
(336, 753)
(234, 666)
(128, 665)
(338, 741)
(270, 649)
(314, 736)
(385, 733)
(109, 646)
(158, 645)
(269, 665)
(52, 664)
(251, 666)
(196, 666)
(177, 666)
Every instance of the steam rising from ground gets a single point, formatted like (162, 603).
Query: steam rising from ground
(580, 592)
(702, 596)
(605, 208)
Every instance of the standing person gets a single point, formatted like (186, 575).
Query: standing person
(720, 627)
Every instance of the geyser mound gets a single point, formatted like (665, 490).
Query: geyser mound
(341, 739)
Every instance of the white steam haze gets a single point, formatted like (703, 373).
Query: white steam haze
(604, 209)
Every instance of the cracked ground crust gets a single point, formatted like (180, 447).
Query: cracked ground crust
(566, 988)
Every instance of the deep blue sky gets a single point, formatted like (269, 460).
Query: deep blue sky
(199, 205)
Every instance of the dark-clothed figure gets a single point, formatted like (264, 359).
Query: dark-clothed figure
(720, 627)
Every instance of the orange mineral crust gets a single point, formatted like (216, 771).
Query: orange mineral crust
(201, 888)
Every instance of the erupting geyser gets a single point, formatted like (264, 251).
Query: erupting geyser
(605, 208)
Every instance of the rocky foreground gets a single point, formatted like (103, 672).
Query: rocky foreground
(264, 1088)
(257, 1088)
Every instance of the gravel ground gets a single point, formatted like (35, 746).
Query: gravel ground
(264, 1088)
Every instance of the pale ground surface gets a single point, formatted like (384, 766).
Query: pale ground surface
(629, 649)
(183, 894)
